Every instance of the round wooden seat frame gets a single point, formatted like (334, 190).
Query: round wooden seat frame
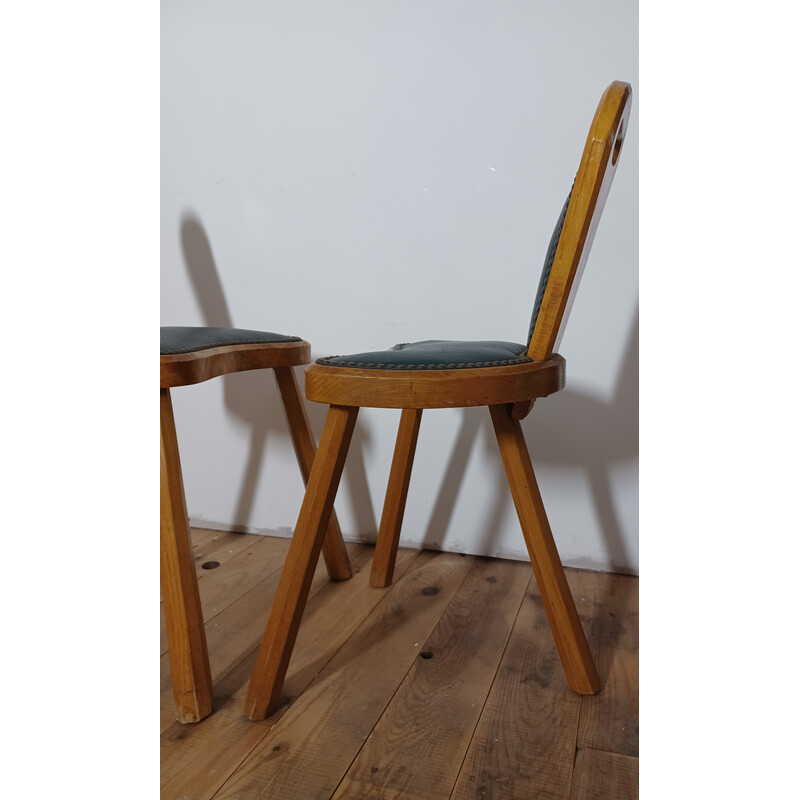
(446, 388)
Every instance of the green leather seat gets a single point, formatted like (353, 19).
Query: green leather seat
(180, 339)
(435, 354)
(446, 354)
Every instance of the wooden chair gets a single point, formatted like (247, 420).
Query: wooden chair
(504, 376)
(192, 355)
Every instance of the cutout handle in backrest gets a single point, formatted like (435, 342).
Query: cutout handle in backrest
(580, 219)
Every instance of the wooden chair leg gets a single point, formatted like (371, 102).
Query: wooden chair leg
(333, 549)
(301, 560)
(558, 603)
(395, 503)
(186, 638)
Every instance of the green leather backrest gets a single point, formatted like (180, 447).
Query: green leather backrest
(548, 265)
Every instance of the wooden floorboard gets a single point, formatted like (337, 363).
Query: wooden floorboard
(524, 745)
(309, 751)
(610, 719)
(600, 775)
(230, 564)
(445, 685)
(233, 640)
(334, 610)
(417, 747)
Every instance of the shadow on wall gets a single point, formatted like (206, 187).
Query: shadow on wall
(254, 401)
(252, 397)
(571, 430)
(354, 476)
(577, 430)
(475, 422)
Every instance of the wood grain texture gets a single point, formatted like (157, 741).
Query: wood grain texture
(610, 720)
(434, 388)
(239, 571)
(306, 754)
(220, 546)
(184, 369)
(204, 757)
(571, 643)
(600, 775)
(418, 745)
(236, 631)
(287, 609)
(592, 184)
(317, 736)
(522, 409)
(191, 677)
(233, 637)
(205, 539)
(199, 539)
(244, 559)
(394, 504)
(333, 549)
(524, 744)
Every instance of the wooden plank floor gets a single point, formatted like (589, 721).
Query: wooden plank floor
(445, 685)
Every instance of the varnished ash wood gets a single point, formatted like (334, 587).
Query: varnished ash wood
(191, 676)
(184, 369)
(434, 388)
(592, 184)
(396, 493)
(333, 549)
(573, 649)
(290, 600)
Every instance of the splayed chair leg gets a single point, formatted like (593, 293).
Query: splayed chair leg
(301, 561)
(186, 638)
(395, 503)
(558, 602)
(333, 549)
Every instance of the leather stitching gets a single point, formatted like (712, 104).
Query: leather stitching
(329, 362)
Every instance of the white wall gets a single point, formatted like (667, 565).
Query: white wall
(365, 173)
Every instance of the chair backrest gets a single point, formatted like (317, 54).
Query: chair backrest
(572, 238)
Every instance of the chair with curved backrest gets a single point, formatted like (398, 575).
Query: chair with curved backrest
(192, 355)
(504, 376)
